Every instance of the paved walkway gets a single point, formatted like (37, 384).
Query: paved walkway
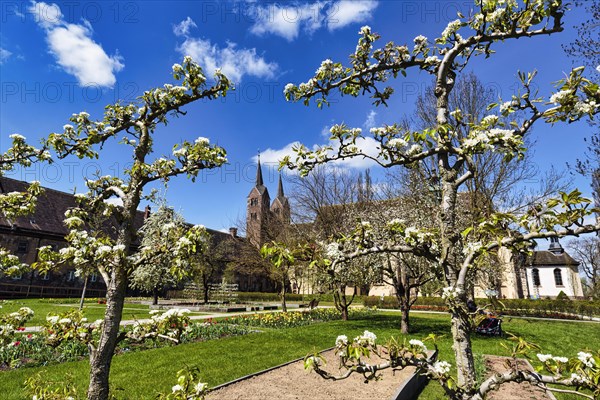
(233, 314)
(192, 317)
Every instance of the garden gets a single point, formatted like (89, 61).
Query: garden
(441, 163)
(224, 350)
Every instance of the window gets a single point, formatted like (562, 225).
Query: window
(17, 277)
(23, 247)
(535, 274)
(558, 277)
(46, 276)
(93, 277)
(254, 201)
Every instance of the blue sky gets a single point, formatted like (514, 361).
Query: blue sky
(61, 58)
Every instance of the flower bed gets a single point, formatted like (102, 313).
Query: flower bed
(65, 337)
(295, 318)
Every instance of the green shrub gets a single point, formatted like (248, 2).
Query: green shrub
(553, 308)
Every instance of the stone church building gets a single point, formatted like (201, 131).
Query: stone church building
(265, 219)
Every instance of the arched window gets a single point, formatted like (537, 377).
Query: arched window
(558, 277)
(535, 274)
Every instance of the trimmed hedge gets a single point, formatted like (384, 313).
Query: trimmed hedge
(564, 309)
(260, 297)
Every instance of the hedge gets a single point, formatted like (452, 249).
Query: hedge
(260, 297)
(568, 309)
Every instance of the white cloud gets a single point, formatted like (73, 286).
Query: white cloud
(183, 28)
(74, 49)
(115, 201)
(346, 12)
(272, 156)
(4, 55)
(370, 121)
(288, 21)
(367, 144)
(233, 62)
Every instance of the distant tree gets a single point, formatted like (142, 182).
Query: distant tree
(586, 48)
(159, 236)
(282, 259)
(343, 279)
(587, 251)
(205, 266)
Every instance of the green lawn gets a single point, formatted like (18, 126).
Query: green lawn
(141, 375)
(92, 310)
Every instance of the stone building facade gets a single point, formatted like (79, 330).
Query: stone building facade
(264, 219)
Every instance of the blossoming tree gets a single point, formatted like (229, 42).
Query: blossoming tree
(161, 233)
(133, 125)
(15, 204)
(455, 251)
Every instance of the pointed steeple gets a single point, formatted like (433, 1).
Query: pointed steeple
(259, 177)
(280, 188)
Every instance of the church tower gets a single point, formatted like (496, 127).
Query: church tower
(280, 209)
(257, 215)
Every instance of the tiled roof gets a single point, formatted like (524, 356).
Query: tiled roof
(49, 213)
(544, 257)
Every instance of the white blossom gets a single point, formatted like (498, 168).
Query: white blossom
(201, 387)
(332, 250)
(450, 292)
(119, 247)
(420, 39)
(341, 340)
(288, 88)
(587, 359)
(397, 143)
(418, 343)
(326, 65)
(489, 120)
(414, 149)
(180, 152)
(544, 357)
(452, 27)
(102, 250)
(365, 30)
(367, 338)
(560, 97)
(441, 367)
(505, 106)
(177, 388)
(561, 359)
(585, 107)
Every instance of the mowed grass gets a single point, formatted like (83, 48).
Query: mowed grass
(91, 309)
(144, 374)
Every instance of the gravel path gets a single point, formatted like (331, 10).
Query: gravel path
(293, 382)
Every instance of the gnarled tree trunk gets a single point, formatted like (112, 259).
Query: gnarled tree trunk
(101, 357)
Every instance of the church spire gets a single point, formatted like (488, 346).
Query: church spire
(259, 177)
(280, 188)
